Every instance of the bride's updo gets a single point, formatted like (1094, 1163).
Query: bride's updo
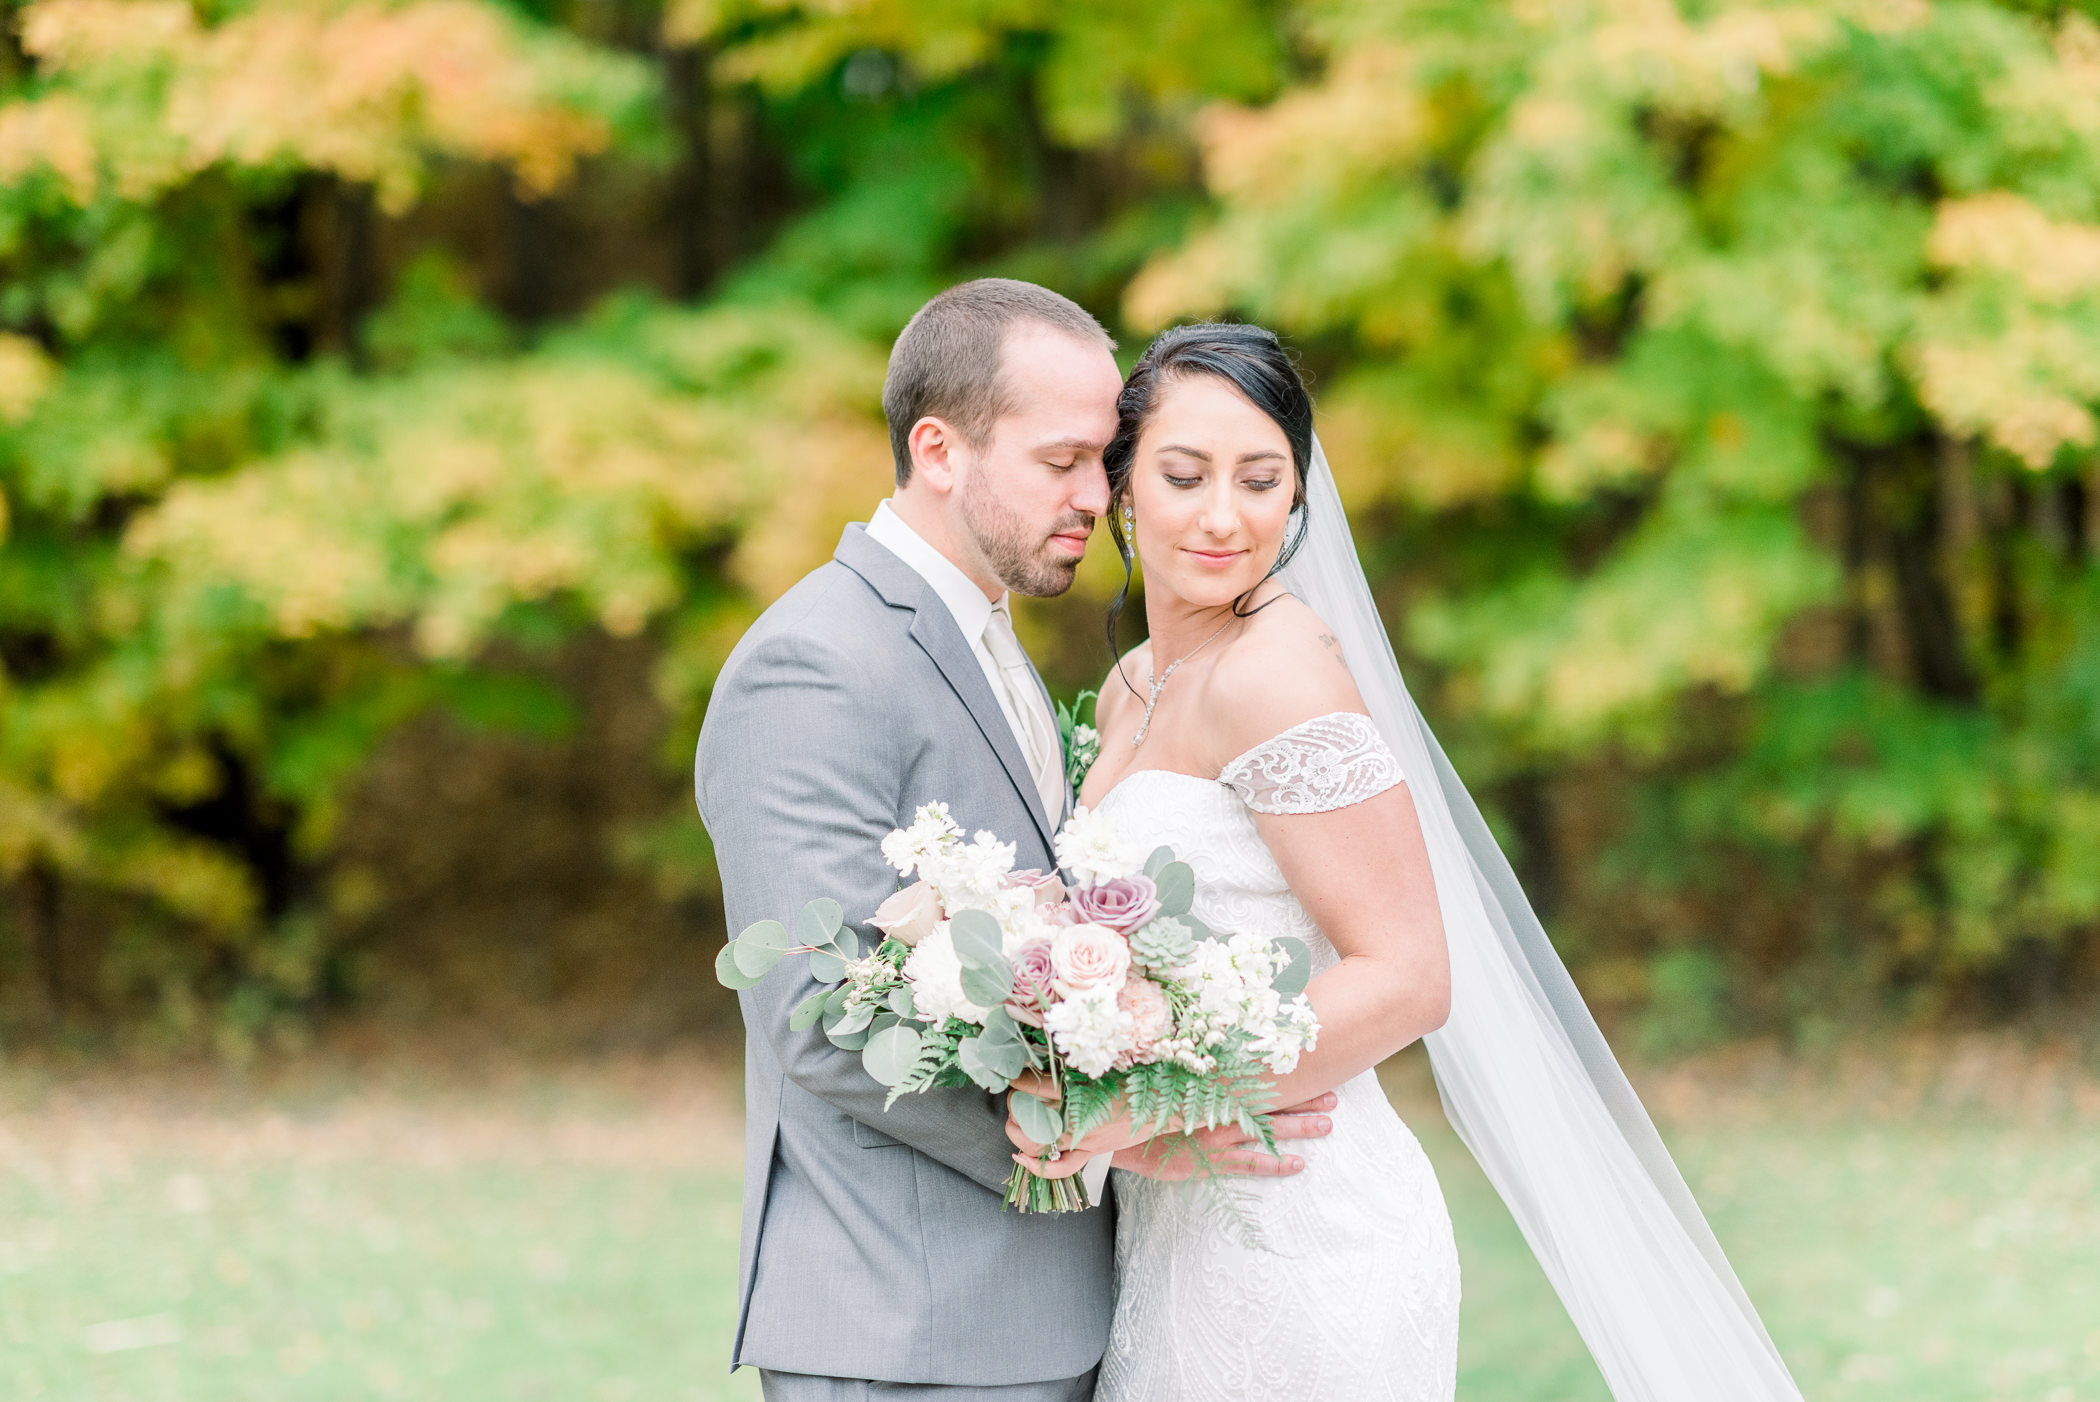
(1252, 361)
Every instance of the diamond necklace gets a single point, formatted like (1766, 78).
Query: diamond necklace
(1157, 683)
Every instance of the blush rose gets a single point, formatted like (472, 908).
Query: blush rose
(910, 915)
(1089, 956)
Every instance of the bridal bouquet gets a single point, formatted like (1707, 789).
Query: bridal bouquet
(1109, 988)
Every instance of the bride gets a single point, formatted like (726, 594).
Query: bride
(1264, 733)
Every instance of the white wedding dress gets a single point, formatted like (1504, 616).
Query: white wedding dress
(1339, 1284)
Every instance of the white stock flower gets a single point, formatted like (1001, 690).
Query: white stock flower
(971, 875)
(1090, 1030)
(931, 830)
(934, 971)
(1093, 847)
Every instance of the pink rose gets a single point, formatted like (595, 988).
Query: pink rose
(1049, 888)
(1060, 914)
(1089, 956)
(1035, 976)
(910, 915)
(1151, 1017)
(1121, 903)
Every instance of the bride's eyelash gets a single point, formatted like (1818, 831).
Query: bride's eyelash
(1174, 481)
(1266, 483)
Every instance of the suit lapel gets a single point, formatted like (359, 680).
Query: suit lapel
(934, 630)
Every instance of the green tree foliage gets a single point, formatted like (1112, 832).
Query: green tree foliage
(1713, 384)
(1724, 373)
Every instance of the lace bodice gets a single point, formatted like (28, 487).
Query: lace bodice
(1356, 1293)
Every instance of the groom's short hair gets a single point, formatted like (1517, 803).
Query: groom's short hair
(946, 362)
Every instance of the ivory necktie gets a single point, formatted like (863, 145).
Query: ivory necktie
(1024, 698)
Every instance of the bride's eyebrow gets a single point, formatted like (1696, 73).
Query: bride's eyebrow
(1196, 453)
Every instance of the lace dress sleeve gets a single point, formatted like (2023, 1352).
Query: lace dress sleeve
(1316, 766)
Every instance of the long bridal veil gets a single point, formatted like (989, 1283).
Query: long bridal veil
(1527, 1079)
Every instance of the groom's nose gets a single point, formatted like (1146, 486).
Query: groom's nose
(1090, 489)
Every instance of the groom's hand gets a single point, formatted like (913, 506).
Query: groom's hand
(1231, 1151)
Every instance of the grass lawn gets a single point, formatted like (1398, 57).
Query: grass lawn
(1920, 1234)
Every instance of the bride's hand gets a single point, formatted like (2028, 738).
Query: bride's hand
(1106, 1138)
(1231, 1151)
(1171, 1156)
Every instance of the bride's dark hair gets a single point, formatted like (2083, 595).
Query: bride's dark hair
(1252, 361)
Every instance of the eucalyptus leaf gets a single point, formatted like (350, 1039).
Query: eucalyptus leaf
(768, 934)
(977, 938)
(1177, 888)
(808, 1011)
(988, 984)
(818, 921)
(755, 960)
(726, 971)
(1006, 1059)
(846, 943)
(835, 1002)
(1038, 1119)
(1196, 927)
(901, 1003)
(999, 1026)
(891, 1053)
(1157, 862)
(825, 966)
(884, 1018)
(970, 1055)
(861, 1019)
(1293, 977)
(848, 1041)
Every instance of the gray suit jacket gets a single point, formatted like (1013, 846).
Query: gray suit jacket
(875, 1243)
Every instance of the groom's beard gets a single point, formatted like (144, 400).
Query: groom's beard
(1022, 559)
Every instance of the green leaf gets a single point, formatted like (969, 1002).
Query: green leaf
(977, 938)
(1157, 862)
(808, 1011)
(988, 984)
(768, 934)
(846, 942)
(999, 1026)
(861, 1019)
(825, 966)
(891, 1053)
(818, 921)
(1177, 888)
(1292, 978)
(849, 1041)
(1196, 927)
(726, 971)
(901, 1003)
(979, 1065)
(755, 960)
(1038, 1119)
(835, 1002)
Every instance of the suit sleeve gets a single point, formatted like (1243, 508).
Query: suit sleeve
(799, 777)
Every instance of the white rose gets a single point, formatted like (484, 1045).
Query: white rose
(934, 971)
(1089, 957)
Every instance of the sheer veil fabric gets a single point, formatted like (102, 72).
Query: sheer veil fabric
(1527, 1078)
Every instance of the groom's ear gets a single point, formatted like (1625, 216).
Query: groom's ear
(935, 450)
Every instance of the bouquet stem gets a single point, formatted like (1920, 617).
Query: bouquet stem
(1029, 1192)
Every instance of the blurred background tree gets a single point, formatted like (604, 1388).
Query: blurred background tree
(404, 406)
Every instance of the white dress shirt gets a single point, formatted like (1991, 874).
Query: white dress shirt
(972, 611)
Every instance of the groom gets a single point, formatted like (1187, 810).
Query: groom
(875, 1245)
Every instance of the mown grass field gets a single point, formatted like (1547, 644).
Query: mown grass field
(1918, 1231)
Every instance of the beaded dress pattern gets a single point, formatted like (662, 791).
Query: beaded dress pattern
(1339, 1283)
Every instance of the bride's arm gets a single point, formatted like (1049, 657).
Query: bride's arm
(1360, 870)
(1362, 874)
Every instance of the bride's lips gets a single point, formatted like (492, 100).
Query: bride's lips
(1214, 559)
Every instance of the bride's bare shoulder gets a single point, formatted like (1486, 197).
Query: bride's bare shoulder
(1287, 668)
(1117, 687)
